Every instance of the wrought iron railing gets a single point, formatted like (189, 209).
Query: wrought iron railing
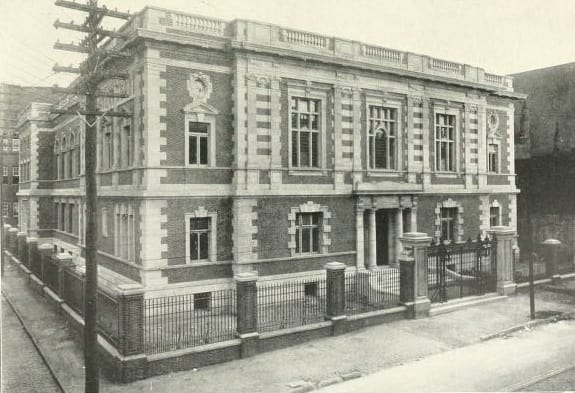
(189, 320)
(371, 290)
(293, 303)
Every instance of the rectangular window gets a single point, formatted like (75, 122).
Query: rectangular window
(198, 134)
(104, 222)
(128, 143)
(5, 175)
(15, 175)
(5, 145)
(382, 137)
(305, 128)
(108, 149)
(307, 233)
(494, 216)
(448, 216)
(15, 144)
(200, 229)
(70, 218)
(63, 217)
(15, 209)
(202, 300)
(493, 158)
(445, 142)
(5, 209)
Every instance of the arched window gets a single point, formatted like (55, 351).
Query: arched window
(63, 160)
(72, 156)
(57, 160)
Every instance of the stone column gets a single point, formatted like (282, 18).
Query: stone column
(21, 244)
(64, 261)
(413, 218)
(551, 254)
(359, 238)
(335, 290)
(398, 234)
(504, 237)
(32, 251)
(13, 241)
(413, 265)
(247, 308)
(372, 262)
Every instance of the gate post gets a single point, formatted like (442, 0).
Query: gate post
(13, 242)
(247, 308)
(551, 254)
(413, 274)
(335, 291)
(504, 237)
(32, 252)
(21, 244)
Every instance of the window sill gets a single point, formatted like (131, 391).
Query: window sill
(452, 175)
(293, 171)
(384, 173)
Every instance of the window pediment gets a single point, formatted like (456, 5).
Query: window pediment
(200, 108)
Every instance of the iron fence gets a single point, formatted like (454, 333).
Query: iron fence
(461, 269)
(183, 321)
(371, 290)
(36, 263)
(50, 274)
(293, 303)
(108, 317)
(73, 290)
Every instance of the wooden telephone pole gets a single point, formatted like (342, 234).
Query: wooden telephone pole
(91, 73)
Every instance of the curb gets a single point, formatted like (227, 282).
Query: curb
(34, 341)
(528, 325)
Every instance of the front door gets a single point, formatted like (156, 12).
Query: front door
(382, 237)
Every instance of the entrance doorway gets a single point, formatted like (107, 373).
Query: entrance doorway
(382, 236)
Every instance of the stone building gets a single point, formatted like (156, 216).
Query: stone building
(13, 99)
(254, 147)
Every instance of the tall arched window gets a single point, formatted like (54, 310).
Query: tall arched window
(57, 160)
(63, 159)
(72, 156)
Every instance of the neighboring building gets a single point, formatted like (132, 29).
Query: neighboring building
(13, 99)
(254, 147)
(546, 167)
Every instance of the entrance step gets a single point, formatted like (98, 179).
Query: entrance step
(458, 304)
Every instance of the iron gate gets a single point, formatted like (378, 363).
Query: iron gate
(459, 270)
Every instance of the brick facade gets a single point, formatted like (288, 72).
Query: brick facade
(213, 141)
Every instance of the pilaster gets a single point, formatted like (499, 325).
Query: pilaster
(426, 144)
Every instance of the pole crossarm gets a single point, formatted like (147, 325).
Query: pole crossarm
(90, 113)
(71, 47)
(85, 29)
(69, 69)
(93, 9)
(97, 93)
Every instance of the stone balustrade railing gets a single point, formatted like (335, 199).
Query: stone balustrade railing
(382, 53)
(445, 65)
(199, 24)
(302, 38)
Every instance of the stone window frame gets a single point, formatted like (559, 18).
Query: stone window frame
(391, 103)
(200, 113)
(493, 138)
(449, 203)
(495, 203)
(201, 212)
(299, 91)
(121, 210)
(445, 110)
(325, 230)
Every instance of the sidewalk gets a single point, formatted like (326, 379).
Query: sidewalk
(365, 351)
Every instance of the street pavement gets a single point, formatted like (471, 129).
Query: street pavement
(503, 364)
(315, 363)
(23, 370)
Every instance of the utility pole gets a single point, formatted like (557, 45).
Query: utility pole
(91, 73)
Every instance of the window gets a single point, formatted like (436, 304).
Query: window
(494, 216)
(15, 209)
(70, 218)
(124, 245)
(5, 175)
(493, 158)
(5, 209)
(108, 151)
(62, 217)
(128, 144)
(202, 300)
(448, 217)
(5, 145)
(200, 239)
(198, 134)
(15, 175)
(445, 142)
(382, 137)
(15, 144)
(104, 222)
(305, 132)
(307, 233)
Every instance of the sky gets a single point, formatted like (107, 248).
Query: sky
(501, 36)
